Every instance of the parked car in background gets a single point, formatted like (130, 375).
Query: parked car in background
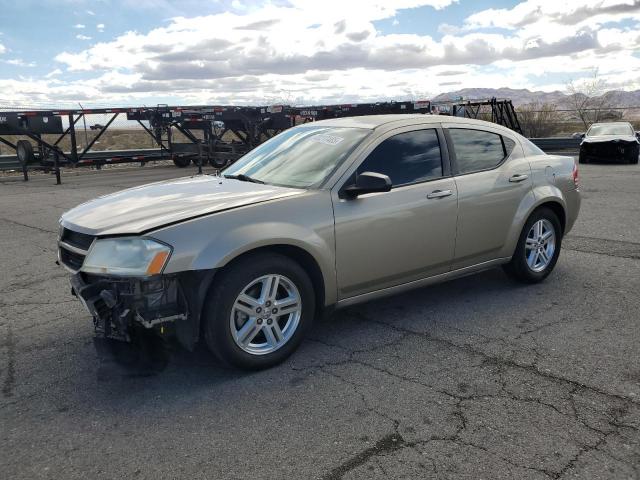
(322, 216)
(610, 142)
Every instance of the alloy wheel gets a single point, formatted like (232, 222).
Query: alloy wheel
(266, 314)
(540, 245)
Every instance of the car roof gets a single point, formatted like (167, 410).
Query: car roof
(396, 120)
(611, 123)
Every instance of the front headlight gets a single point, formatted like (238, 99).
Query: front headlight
(127, 256)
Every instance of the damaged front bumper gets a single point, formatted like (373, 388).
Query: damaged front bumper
(124, 308)
(610, 151)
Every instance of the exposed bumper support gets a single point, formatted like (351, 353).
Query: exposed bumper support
(125, 307)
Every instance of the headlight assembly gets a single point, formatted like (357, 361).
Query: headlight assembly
(133, 256)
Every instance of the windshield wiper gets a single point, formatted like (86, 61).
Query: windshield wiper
(243, 178)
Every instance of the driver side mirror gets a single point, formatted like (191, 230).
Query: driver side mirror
(368, 182)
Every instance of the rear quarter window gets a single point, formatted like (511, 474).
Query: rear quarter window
(509, 145)
(530, 149)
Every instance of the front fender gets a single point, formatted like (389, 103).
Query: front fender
(245, 238)
(213, 241)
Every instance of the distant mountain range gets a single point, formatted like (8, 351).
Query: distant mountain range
(523, 96)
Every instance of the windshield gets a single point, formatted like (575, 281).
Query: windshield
(610, 129)
(299, 157)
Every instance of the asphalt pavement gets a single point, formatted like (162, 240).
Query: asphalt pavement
(474, 378)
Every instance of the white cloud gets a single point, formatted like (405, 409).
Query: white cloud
(79, 26)
(543, 13)
(446, 29)
(2, 49)
(100, 27)
(91, 12)
(331, 51)
(227, 45)
(53, 73)
(83, 37)
(18, 62)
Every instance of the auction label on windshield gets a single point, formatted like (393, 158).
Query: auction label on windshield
(326, 139)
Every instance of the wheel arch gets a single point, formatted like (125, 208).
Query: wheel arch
(527, 208)
(296, 253)
(557, 208)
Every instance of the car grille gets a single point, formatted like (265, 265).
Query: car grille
(77, 239)
(71, 259)
(73, 247)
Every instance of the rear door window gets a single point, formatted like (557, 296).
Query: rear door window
(477, 150)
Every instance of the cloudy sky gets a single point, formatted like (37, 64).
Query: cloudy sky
(55, 53)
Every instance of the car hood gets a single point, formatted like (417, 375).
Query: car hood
(140, 209)
(610, 138)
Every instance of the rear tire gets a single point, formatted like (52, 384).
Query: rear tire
(24, 152)
(244, 324)
(535, 257)
(181, 162)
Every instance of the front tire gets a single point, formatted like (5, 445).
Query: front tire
(538, 248)
(258, 311)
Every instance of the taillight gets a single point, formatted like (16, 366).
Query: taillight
(574, 175)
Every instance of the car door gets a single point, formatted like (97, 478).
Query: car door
(386, 239)
(492, 177)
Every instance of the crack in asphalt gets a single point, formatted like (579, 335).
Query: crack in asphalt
(382, 448)
(2, 219)
(25, 284)
(10, 377)
(24, 328)
(602, 246)
(383, 445)
(32, 303)
(46, 387)
(386, 444)
(507, 362)
(460, 421)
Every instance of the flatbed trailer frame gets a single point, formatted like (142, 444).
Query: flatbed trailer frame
(217, 135)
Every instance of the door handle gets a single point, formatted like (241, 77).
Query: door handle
(439, 193)
(518, 177)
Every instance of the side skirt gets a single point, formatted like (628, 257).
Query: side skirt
(461, 272)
